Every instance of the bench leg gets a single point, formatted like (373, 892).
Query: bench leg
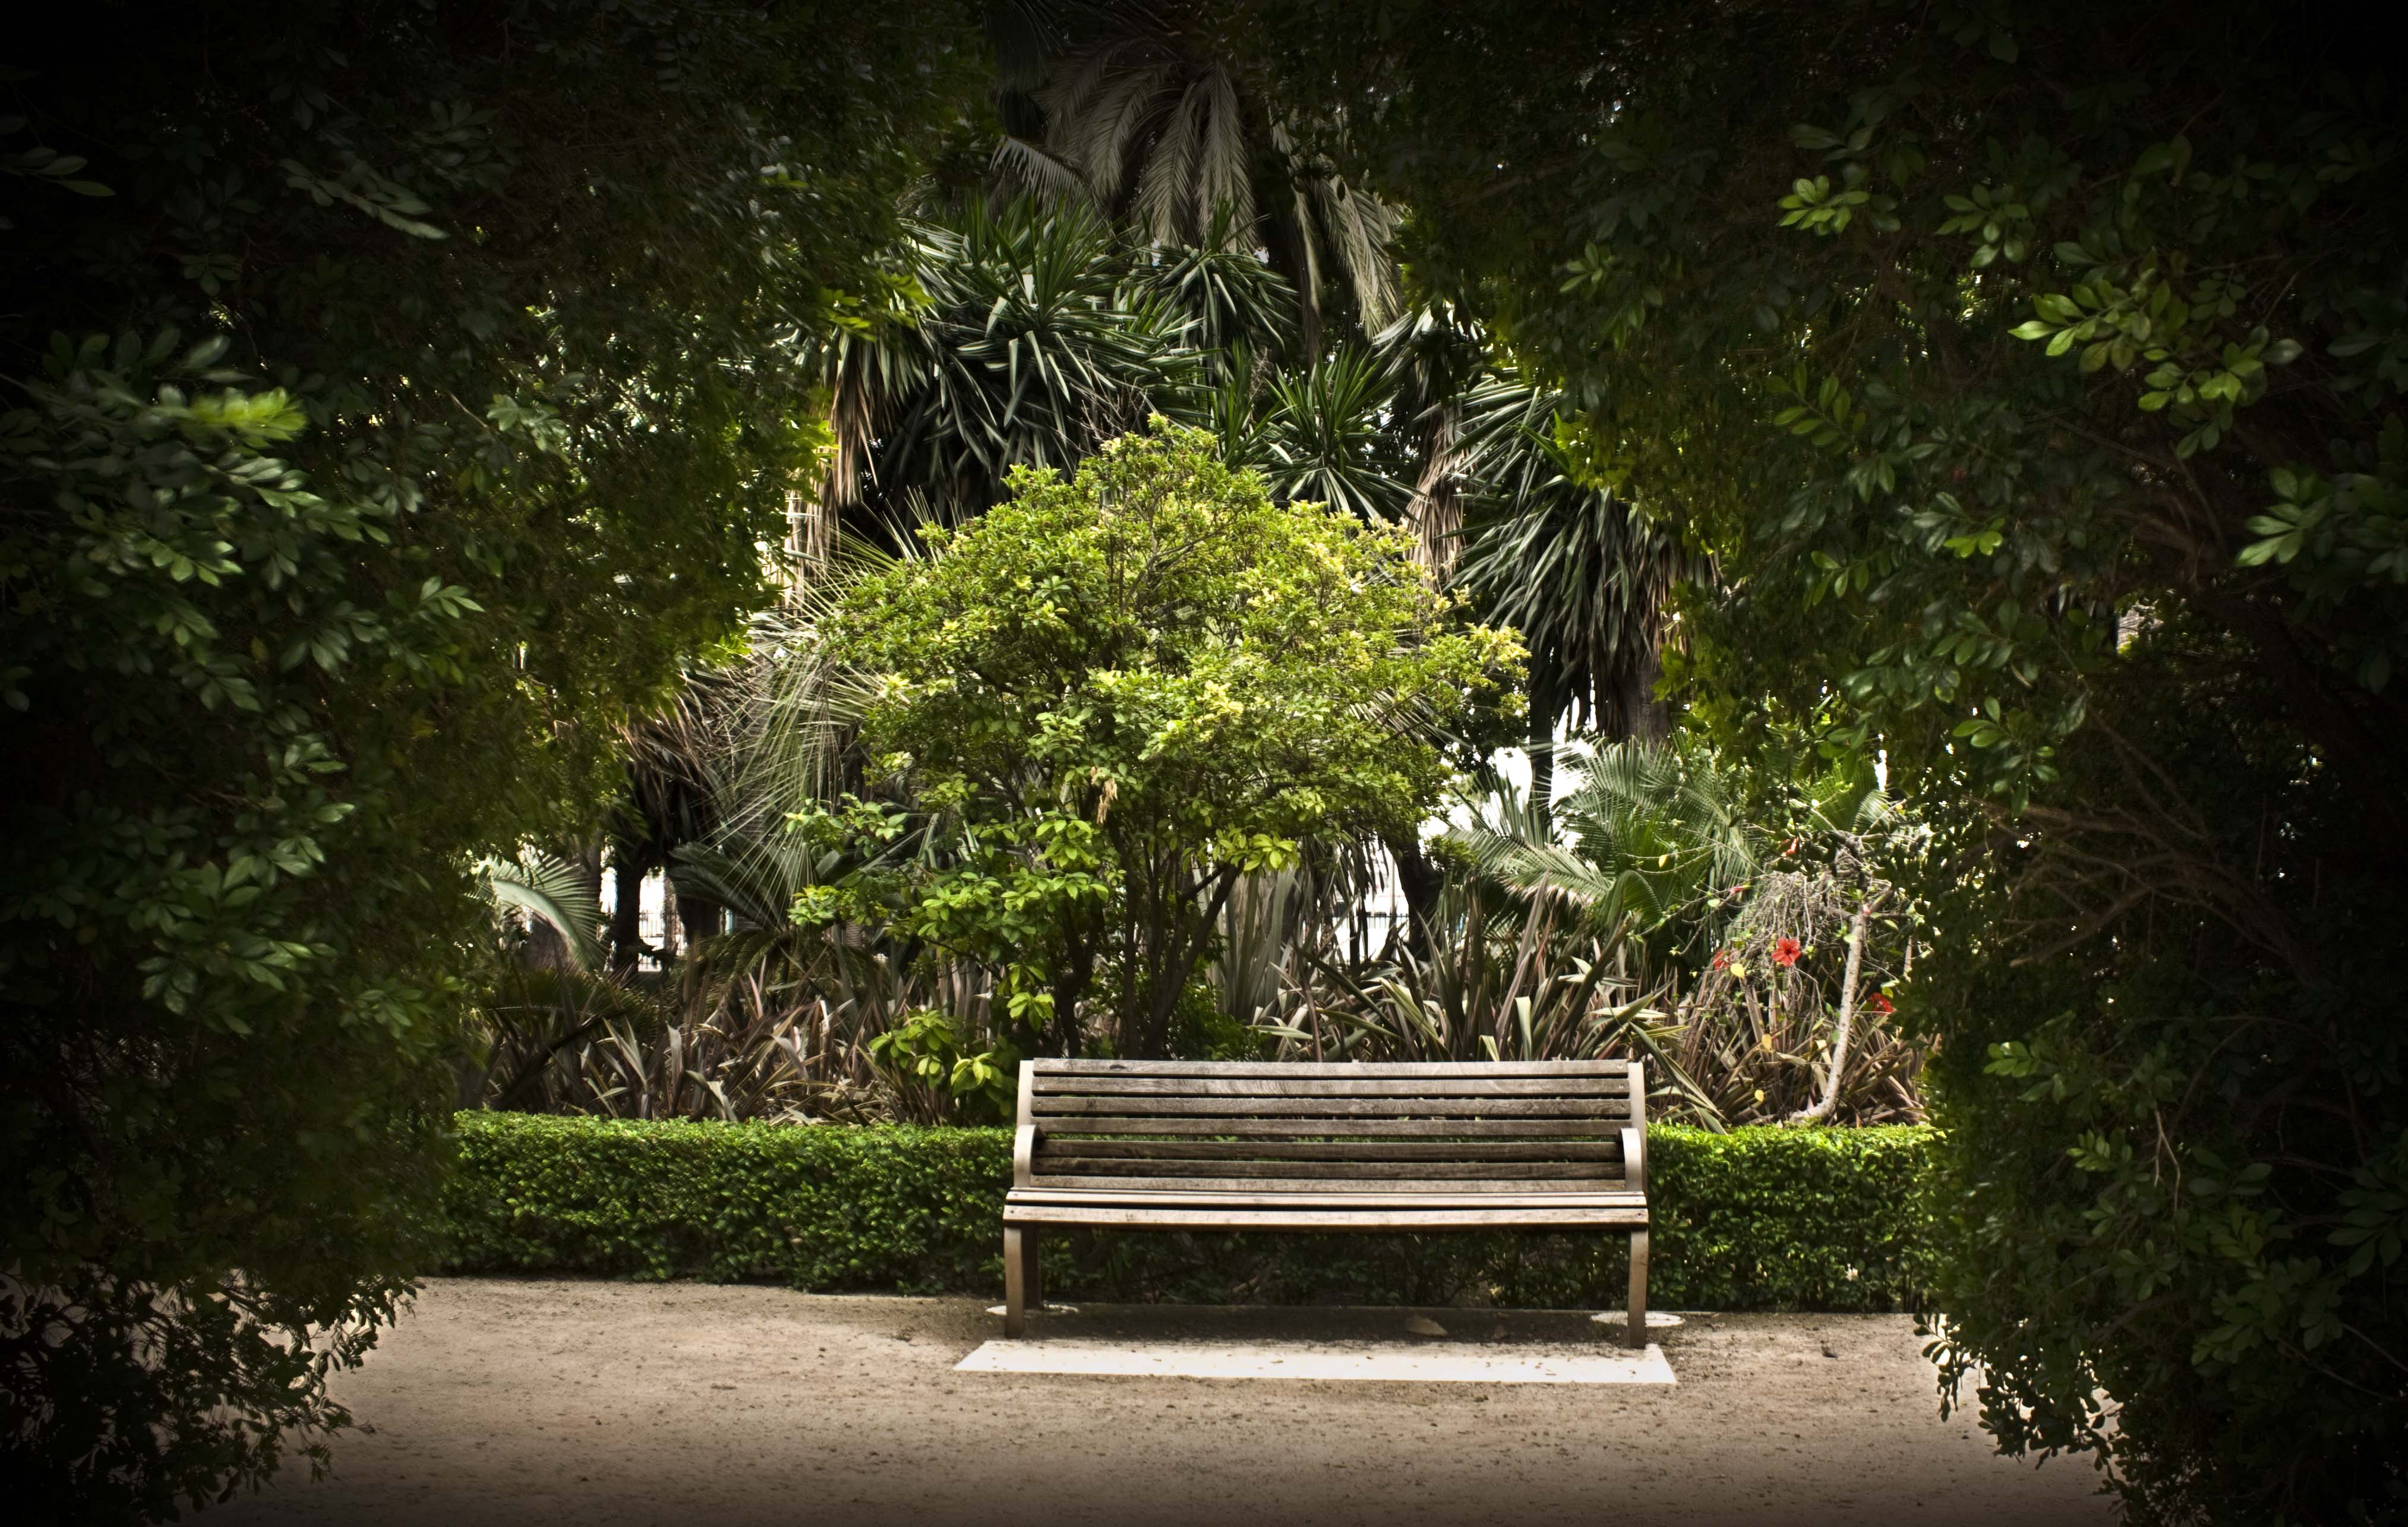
(1015, 1281)
(1637, 1334)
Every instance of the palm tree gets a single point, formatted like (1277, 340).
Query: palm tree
(1131, 104)
(1586, 577)
(1446, 395)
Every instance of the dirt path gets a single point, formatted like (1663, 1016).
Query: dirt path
(507, 1400)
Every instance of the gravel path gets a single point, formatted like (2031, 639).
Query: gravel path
(522, 1401)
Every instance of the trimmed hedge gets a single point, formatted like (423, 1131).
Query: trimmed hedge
(1759, 1218)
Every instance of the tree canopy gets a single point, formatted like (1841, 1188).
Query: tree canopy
(1132, 687)
(397, 394)
(2032, 375)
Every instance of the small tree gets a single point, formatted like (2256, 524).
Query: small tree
(1131, 688)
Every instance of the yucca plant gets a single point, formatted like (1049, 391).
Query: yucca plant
(1220, 298)
(1015, 336)
(1258, 922)
(1326, 438)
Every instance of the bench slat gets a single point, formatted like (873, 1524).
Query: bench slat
(1071, 1170)
(1346, 1150)
(1190, 1196)
(1283, 1217)
(1303, 1070)
(1441, 1198)
(1608, 1128)
(1413, 1107)
(1318, 1185)
(1342, 1086)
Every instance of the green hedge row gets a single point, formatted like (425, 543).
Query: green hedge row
(1755, 1219)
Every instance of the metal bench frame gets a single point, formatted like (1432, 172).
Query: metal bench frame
(1238, 1146)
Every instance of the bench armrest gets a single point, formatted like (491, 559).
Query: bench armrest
(1024, 1155)
(1634, 1159)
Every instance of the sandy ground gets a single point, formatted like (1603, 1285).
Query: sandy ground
(518, 1401)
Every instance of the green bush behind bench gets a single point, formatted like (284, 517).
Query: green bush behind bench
(1759, 1218)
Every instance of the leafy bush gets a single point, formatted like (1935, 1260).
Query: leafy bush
(391, 399)
(1116, 696)
(2034, 375)
(1757, 1218)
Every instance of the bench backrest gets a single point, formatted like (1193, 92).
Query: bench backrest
(1197, 1126)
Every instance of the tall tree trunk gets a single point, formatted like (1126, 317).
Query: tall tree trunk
(1421, 880)
(1071, 982)
(1435, 513)
(696, 917)
(1645, 717)
(627, 909)
(1179, 931)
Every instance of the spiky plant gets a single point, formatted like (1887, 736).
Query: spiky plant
(1587, 576)
(1010, 335)
(1325, 438)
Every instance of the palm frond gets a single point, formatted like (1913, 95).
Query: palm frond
(1160, 132)
(1224, 191)
(1165, 182)
(546, 888)
(1360, 228)
(1031, 169)
(1547, 869)
(1117, 94)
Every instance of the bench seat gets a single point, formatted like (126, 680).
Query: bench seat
(1238, 1146)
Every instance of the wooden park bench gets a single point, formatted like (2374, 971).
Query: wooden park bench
(1214, 1146)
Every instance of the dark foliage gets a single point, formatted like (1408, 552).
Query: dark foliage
(395, 394)
(2034, 375)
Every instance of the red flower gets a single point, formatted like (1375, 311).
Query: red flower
(1784, 952)
(1722, 960)
(1879, 1006)
(1789, 848)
